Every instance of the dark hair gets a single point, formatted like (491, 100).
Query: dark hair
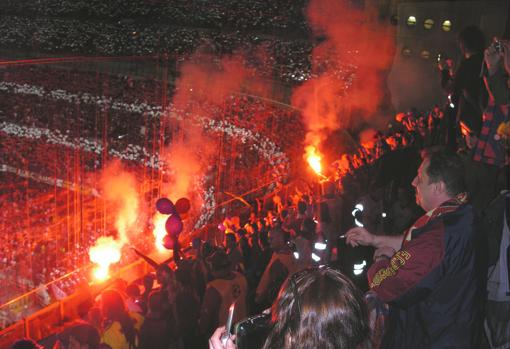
(148, 280)
(447, 166)
(219, 261)
(301, 206)
(472, 38)
(133, 291)
(318, 308)
(115, 310)
(156, 302)
(184, 274)
(285, 234)
(230, 237)
(25, 343)
(207, 249)
(83, 332)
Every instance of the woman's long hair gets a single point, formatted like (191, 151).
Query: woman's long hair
(114, 309)
(319, 308)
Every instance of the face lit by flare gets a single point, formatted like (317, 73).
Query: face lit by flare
(425, 190)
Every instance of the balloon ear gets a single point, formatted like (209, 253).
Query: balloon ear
(168, 242)
(174, 225)
(165, 206)
(182, 205)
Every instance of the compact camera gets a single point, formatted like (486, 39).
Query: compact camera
(497, 46)
(252, 332)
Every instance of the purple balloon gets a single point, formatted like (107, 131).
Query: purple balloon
(173, 225)
(168, 242)
(182, 205)
(165, 206)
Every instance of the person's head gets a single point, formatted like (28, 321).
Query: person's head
(440, 178)
(114, 310)
(301, 206)
(112, 304)
(220, 264)
(196, 243)
(277, 239)
(79, 336)
(471, 40)
(184, 274)
(318, 308)
(132, 291)
(148, 282)
(94, 317)
(156, 304)
(230, 241)
(164, 274)
(206, 250)
(25, 343)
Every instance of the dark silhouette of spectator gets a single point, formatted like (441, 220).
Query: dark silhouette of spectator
(280, 266)
(159, 330)
(79, 336)
(120, 327)
(465, 85)
(226, 288)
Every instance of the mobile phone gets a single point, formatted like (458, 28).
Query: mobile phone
(228, 327)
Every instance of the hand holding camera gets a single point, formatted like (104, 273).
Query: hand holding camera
(217, 340)
(494, 53)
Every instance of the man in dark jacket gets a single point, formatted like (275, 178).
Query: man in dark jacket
(430, 276)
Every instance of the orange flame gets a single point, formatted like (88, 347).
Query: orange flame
(314, 158)
(159, 230)
(121, 196)
(104, 253)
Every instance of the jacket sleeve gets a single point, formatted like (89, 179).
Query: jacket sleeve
(394, 277)
(497, 86)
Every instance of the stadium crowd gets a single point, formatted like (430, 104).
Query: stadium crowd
(271, 258)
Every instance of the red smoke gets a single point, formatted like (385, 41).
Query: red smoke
(202, 90)
(348, 68)
(119, 190)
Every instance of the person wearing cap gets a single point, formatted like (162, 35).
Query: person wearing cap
(226, 288)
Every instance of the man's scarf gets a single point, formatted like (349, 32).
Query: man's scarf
(446, 207)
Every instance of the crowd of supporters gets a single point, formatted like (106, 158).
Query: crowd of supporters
(239, 14)
(287, 60)
(248, 260)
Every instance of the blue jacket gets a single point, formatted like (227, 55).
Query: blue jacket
(433, 285)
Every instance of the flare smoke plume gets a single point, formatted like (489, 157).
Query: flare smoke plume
(347, 68)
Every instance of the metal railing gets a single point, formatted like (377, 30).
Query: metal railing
(50, 319)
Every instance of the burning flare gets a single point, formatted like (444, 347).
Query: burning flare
(159, 230)
(314, 158)
(119, 191)
(104, 253)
